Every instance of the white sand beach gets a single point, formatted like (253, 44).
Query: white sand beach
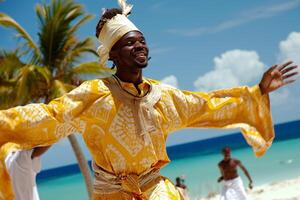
(284, 190)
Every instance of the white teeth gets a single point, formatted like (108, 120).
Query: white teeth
(140, 54)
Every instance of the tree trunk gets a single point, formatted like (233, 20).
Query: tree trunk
(83, 164)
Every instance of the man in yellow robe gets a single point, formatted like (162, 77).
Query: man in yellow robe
(125, 119)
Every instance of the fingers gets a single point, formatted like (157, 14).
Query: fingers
(281, 67)
(289, 75)
(288, 69)
(271, 68)
(289, 82)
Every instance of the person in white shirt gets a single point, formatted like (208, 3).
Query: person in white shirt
(23, 166)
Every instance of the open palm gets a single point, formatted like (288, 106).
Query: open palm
(278, 76)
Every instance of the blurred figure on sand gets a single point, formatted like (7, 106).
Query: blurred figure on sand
(182, 188)
(233, 188)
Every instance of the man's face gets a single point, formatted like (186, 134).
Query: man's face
(130, 51)
(226, 154)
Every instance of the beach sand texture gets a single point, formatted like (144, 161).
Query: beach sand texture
(283, 190)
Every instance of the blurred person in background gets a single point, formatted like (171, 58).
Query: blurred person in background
(23, 166)
(182, 188)
(233, 188)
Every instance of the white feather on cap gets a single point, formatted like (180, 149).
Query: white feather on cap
(126, 8)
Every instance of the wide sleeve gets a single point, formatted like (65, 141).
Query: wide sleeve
(243, 107)
(44, 124)
(40, 125)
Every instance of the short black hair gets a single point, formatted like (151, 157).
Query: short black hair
(226, 149)
(108, 14)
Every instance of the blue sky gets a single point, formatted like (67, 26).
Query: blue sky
(201, 45)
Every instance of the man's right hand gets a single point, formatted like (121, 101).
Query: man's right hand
(220, 179)
(250, 185)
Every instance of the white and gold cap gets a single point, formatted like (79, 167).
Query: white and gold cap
(113, 30)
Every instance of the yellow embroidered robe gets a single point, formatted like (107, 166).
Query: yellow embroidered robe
(109, 130)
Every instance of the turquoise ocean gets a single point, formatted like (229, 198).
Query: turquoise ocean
(197, 163)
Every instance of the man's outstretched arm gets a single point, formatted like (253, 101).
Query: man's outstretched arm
(40, 124)
(246, 173)
(244, 107)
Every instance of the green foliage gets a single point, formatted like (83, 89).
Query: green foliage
(46, 69)
(92, 68)
(9, 22)
(58, 23)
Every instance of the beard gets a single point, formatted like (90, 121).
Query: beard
(140, 59)
(141, 65)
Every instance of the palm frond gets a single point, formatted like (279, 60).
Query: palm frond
(7, 93)
(75, 27)
(77, 49)
(59, 88)
(56, 31)
(9, 22)
(22, 89)
(32, 82)
(9, 64)
(44, 73)
(92, 68)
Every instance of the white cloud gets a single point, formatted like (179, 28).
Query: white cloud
(245, 17)
(290, 48)
(170, 80)
(216, 79)
(231, 69)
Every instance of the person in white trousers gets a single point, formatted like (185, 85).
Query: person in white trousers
(23, 166)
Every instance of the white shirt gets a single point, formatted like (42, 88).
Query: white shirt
(23, 170)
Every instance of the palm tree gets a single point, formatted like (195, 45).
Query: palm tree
(9, 65)
(39, 72)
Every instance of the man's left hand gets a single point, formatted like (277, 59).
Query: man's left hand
(278, 76)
